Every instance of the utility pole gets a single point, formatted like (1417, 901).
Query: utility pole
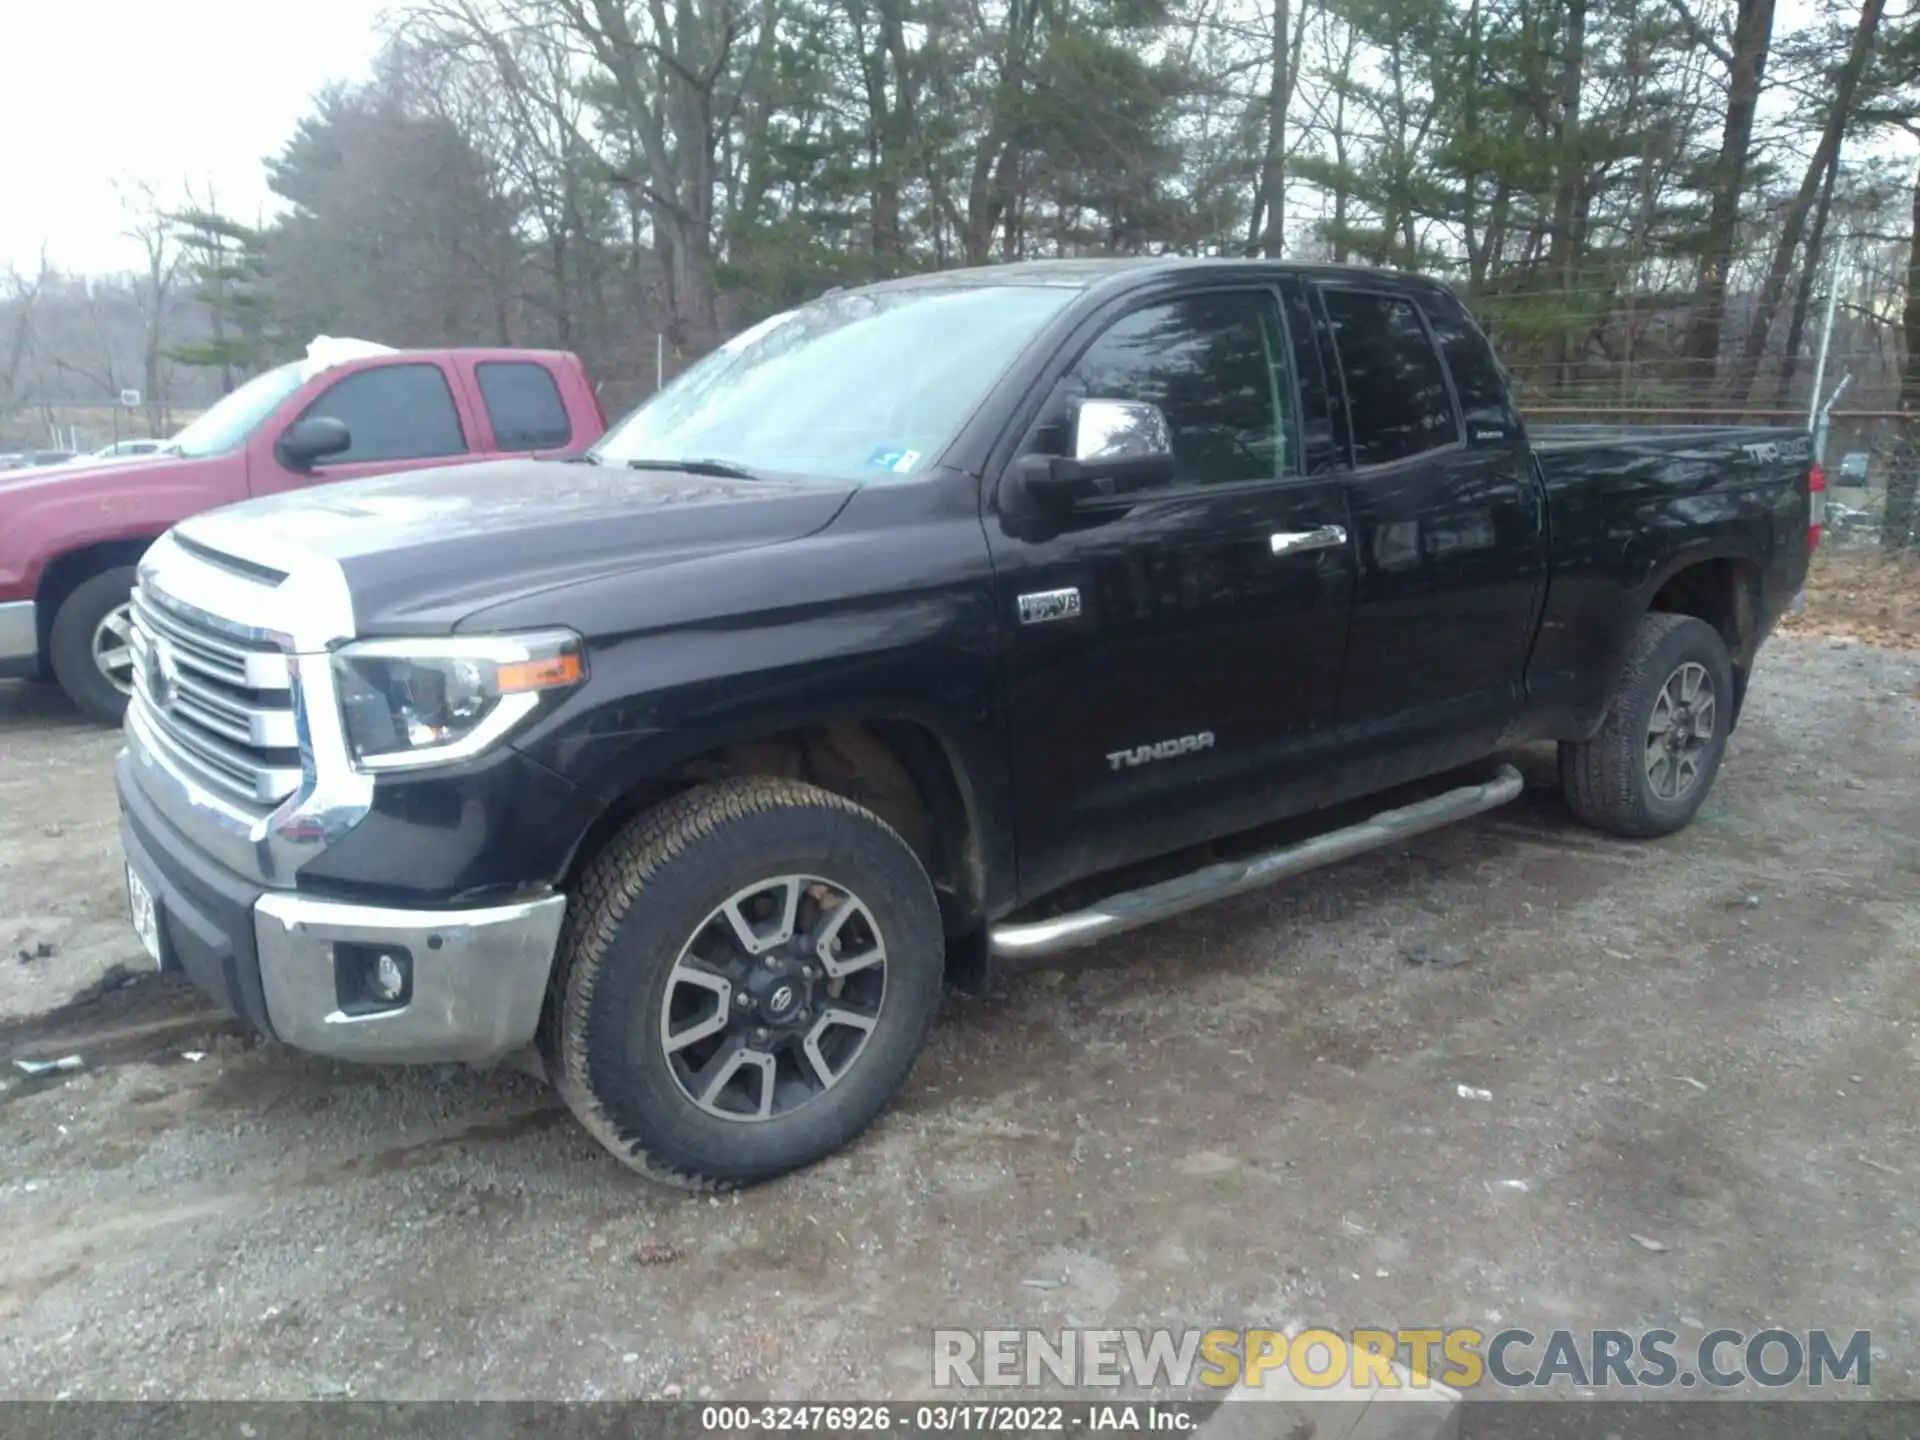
(1826, 335)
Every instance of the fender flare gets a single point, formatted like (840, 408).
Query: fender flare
(973, 767)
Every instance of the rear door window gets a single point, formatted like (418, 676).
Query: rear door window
(1398, 404)
(524, 405)
(1485, 396)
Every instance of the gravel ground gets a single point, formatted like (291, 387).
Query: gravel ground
(1248, 1115)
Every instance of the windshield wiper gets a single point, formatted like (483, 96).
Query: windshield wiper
(585, 457)
(697, 465)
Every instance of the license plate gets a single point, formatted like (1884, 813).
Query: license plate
(146, 918)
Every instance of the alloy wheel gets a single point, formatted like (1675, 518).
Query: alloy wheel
(1680, 732)
(113, 647)
(773, 998)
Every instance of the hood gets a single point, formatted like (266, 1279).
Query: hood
(424, 549)
(75, 474)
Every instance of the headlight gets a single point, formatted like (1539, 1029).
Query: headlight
(408, 703)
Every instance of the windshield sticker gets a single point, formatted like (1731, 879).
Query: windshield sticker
(900, 462)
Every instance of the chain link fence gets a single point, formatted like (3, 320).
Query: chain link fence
(1872, 464)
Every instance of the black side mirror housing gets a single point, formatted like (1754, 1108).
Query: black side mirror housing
(1055, 482)
(1120, 447)
(306, 442)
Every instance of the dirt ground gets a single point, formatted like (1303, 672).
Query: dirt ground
(1248, 1115)
(1860, 594)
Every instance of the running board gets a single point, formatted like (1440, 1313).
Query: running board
(1134, 908)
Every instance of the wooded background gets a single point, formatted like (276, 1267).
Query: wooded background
(1644, 201)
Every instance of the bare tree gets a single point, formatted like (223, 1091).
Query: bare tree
(1746, 64)
(1839, 114)
(150, 226)
(1900, 527)
(1288, 42)
(672, 65)
(19, 296)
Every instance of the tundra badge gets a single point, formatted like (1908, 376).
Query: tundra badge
(1045, 605)
(1165, 750)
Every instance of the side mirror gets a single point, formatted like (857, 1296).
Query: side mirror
(1119, 447)
(307, 441)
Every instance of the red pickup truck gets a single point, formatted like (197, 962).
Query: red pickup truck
(70, 535)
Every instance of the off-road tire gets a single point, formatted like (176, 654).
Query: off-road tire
(1605, 779)
(70, 646)
(636, 906)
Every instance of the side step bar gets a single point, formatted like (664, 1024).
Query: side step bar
(1134, 908)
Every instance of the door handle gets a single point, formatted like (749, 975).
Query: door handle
(1292, 542)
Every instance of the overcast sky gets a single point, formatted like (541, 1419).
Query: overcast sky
(166, 91)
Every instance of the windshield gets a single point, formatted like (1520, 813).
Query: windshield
(872, 384)
(233, 417)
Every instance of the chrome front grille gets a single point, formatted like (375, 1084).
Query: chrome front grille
(217, 706)
(234, 736)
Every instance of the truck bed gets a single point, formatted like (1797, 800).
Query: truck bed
(1639, 502)
(1721, 439)
(1661, 465)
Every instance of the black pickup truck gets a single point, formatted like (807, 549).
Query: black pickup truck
(899, 633)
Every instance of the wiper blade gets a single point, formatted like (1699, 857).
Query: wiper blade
(585, 457)
(697, 465)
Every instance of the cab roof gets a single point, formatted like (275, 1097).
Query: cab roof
(1086, 273)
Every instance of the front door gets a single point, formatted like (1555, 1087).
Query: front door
(1171, 652)
(401, 416)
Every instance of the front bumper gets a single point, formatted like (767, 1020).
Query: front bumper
(479, 976)
(19, 641)
(289, 963)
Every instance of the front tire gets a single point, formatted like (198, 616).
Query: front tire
(1649, 769)
(89, 646)
(746, 976)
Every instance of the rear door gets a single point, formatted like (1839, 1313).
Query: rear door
(1171, 651)
(1448, 524)
(402, 416)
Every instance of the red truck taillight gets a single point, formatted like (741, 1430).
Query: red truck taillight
(1816, 505)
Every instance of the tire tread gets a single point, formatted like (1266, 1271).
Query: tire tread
(611, 883)
(1599, 777)
(70, 646)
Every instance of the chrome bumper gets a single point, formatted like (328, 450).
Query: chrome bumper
(479, 977)
(19, 636)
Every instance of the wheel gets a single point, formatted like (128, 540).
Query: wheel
(1649, 769)
(744, 979)
(89, 645)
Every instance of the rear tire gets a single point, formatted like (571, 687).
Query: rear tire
(716, 1016)
(1649, 769)
(89, 634)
